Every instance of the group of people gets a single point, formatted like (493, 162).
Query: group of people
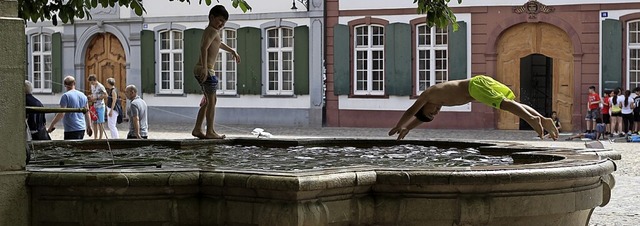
(618, 110)
(103, 101)
(76, 124)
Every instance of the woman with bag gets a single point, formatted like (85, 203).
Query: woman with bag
(113, 108)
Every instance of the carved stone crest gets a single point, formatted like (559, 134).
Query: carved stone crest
(533, 7)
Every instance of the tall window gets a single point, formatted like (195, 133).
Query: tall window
(226, 72)
(634, 54)
(280, 61)
(431, 66)
(171, 62)
(369, 60)
(41, 63)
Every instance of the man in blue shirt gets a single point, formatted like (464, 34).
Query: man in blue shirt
(75, 123)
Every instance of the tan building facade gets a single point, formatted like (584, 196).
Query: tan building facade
(547, 54)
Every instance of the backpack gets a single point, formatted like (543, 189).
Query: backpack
(633, 138)
(118, 109)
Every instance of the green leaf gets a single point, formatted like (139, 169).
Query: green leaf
(94, 3)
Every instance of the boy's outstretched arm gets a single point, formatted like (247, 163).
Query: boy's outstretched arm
(225, 47)
(400, 127)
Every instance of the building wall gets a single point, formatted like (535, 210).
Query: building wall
(581, 22)
(302, 109)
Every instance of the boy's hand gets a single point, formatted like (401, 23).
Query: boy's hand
(401, 131)
(237, 56)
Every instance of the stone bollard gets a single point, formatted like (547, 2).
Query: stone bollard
(14, 198)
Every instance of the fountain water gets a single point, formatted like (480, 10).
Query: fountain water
(541, 187)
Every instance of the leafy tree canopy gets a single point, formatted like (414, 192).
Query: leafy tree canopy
(67, 10)
(437, 11)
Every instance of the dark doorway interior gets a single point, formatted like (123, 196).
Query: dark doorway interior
(536, 84)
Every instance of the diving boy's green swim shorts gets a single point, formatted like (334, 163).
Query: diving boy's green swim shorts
(489, 91)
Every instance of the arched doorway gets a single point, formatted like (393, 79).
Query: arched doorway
(523, 40)
(105, 57)
(536, 84)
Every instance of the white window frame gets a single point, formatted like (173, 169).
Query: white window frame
(631, 47)
(431, 48)
(227, 73)
(369, 48)
(280, 51)
(172, 52)
(43, 52)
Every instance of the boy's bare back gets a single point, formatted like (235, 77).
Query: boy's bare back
(451, 93)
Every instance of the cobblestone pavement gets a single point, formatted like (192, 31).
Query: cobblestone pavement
(623, 209)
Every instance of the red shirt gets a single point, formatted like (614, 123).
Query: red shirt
(605, 105)
(594, 97)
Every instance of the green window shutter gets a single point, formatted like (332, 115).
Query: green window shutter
(397, 56)
(250, 69)
(148, 61)
(458, 52)
(341, 66)
(191, 56)
(611, 54)
(301, 60)
(56, 62)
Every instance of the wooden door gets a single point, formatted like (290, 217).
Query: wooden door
(106, 58)
(537, 38)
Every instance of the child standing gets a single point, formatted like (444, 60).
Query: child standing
(205, 74)
(593, 109)
(606, 118)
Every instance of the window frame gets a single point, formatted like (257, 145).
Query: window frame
(630, 48)
(171, 51)
(281, 52)
(367, 20)
(432, 48)
(221, 69)
(42, 53)
(369, 49)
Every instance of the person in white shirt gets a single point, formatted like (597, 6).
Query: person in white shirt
(98, 95)
(627, 106)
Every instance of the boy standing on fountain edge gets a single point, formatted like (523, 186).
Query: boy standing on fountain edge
(481, 88)
(205, 74)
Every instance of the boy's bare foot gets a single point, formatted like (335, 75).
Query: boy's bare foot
(550, 127)
(198, 134)
(214, 136)
(536, 124)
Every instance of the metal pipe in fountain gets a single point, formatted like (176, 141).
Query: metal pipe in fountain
(31, 109)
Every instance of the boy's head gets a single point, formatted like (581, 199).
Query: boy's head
(592, 89)
(218, 16)
(637, 90)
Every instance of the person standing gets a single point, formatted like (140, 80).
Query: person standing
(98, 95)
(75, 123)
(36, 121)
(615, 110)
(606, 117)
(204, 72)
(137, 113)
(627, 112)
(113, 108)
(636, 110)
(593, 109)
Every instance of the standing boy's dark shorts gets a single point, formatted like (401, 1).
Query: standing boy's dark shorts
(636, 115)
(209, 86)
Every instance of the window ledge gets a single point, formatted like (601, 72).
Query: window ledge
(170, 95)
(228, 95)
(369, 96)
(280, 96)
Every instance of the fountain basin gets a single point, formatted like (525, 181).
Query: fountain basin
(542, 187)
